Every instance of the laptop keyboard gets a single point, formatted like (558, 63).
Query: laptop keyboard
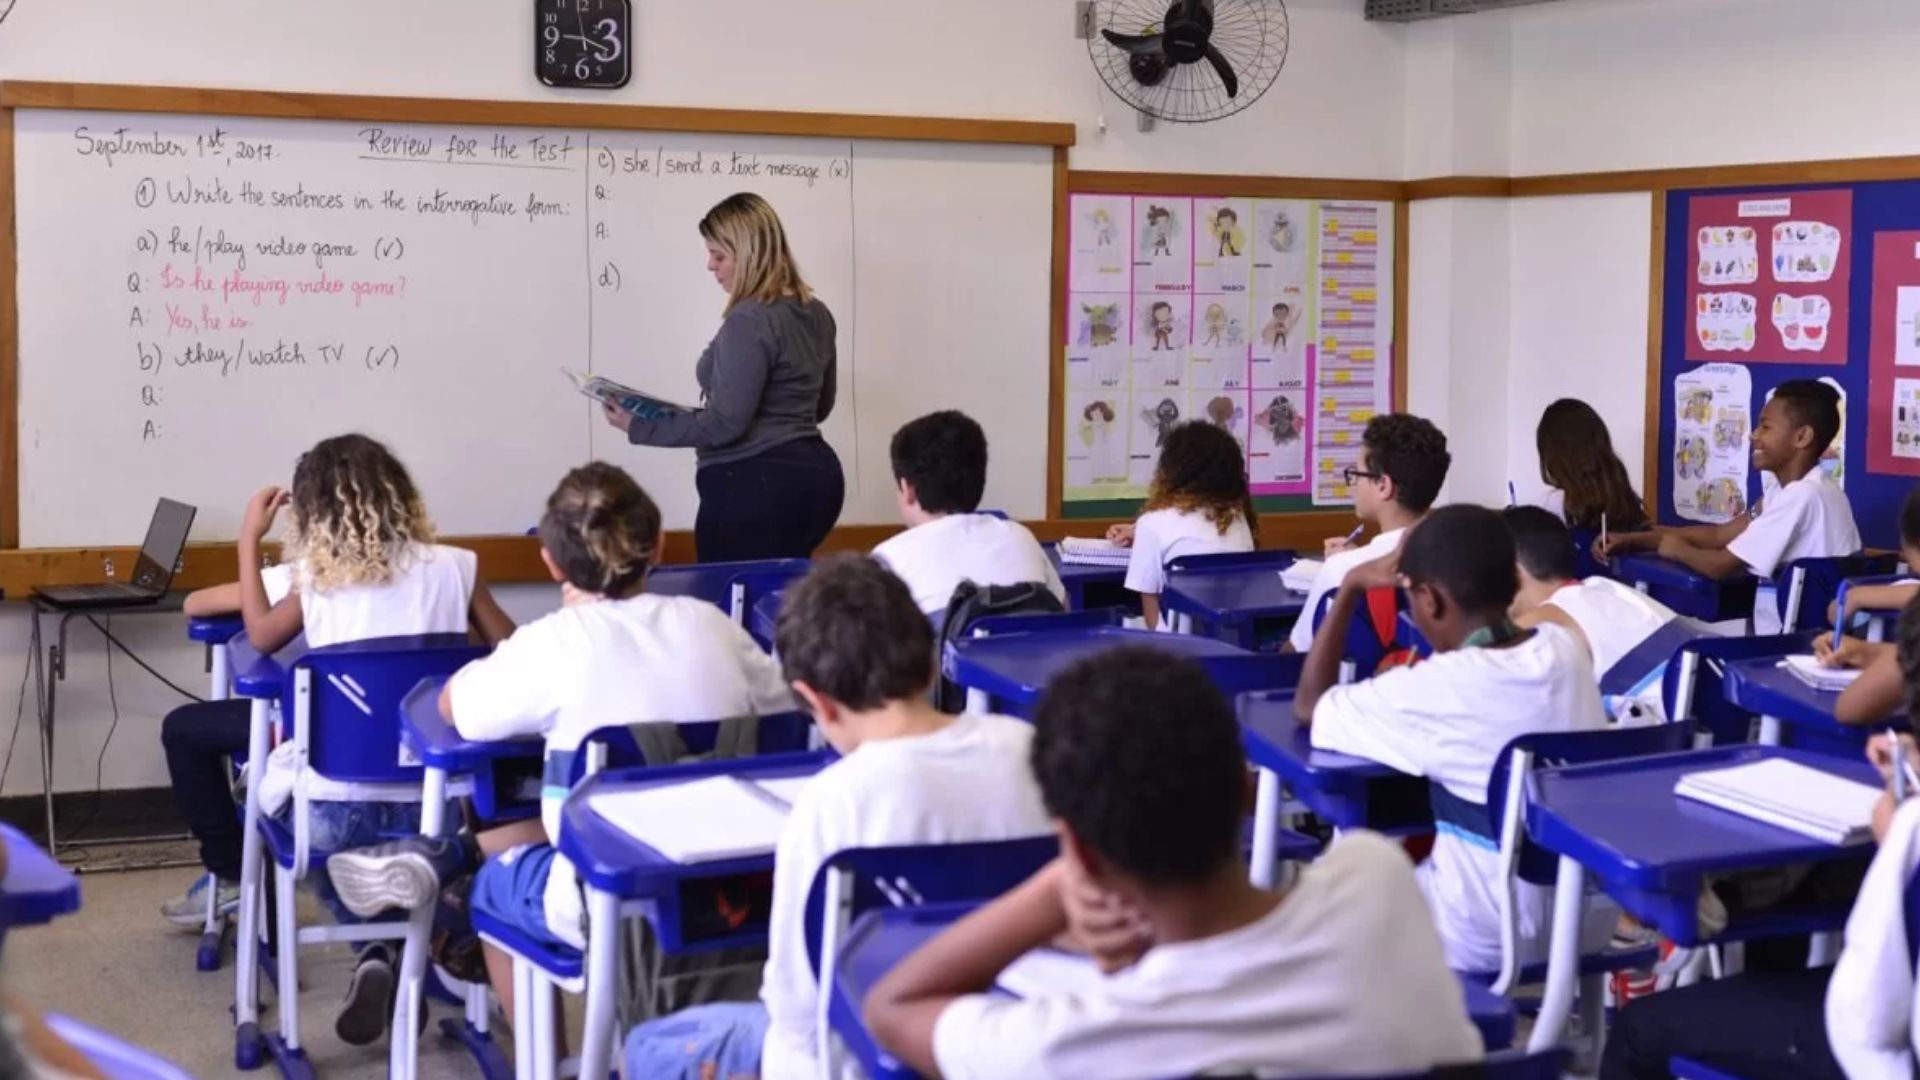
(106, 592)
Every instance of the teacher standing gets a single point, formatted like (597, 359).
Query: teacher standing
(770, 487)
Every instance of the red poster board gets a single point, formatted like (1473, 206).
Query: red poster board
(1770, 277)
(1893, 383)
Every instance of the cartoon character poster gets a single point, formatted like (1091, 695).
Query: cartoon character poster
(1223, 251)
(1163, 240)
(1102, 259)
(1098, 340)
(1097, 438)
(1711, 451)
(1770, 277)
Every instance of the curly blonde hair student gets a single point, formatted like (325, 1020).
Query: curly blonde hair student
(1202, 469)
(601, 529)
(354, 512)
(747, 229)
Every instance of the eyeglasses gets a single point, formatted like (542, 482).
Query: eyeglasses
(1351, 474)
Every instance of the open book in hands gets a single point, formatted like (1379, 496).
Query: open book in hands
(638, 402)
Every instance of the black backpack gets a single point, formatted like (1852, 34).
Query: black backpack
(969, 604)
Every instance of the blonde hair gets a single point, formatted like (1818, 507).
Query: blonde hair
(601, 529)
(746, 228)
(354, 515)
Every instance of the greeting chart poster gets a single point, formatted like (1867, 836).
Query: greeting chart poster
(1770, 277)
(1893, 357)
(1711, 452)
(1266, 317)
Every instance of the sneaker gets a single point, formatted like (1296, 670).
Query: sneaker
(403, 875)
(368, 1007)
(189, 909)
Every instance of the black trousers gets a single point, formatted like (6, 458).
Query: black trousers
(1756, 1026)
(780, 504)
(197, 739)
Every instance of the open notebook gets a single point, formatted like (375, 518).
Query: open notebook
(1810, 671)
(1301, 574)
(1100, 552)
(717, 817)
(1790, 795)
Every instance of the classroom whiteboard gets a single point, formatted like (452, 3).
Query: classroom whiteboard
(202, 298)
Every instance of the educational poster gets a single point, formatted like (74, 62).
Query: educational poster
(1711, 455)
(1893, 356)
(1770, 277)
(1223, 314)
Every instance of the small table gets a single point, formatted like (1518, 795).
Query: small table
(1782, 700)
(1686, 592)
(1016, 668)
(1228, 601)
(1650, 849)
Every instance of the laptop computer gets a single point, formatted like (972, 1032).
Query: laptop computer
(152, 574)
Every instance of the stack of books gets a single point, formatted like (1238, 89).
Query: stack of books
(1093, 552)
(1789, 795)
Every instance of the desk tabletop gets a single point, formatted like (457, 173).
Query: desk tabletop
(1237, 595)
(1018, 667)
(1349, 792)
(36, 889)
(439, 745)
(1685, 591)
(613, 861)
(1763, 686)
(262, 676)
(214, 629)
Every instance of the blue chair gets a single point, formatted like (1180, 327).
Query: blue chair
(726, 585)
(1806, 586)
(857, 880)
(1276, 559)
(1693, 684)
(342, 707)
(1652, 661)
(1363, 653)
(1584, 564)
(116, 1060)
(37, 889)
(1876, 621)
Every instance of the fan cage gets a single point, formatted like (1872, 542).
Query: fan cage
(1251, 34)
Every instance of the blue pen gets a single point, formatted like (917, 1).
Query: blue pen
(1840, 623)
(1357, 530)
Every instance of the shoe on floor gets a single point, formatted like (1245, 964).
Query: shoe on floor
(189, 909)
(368, 1007)
(403, 875)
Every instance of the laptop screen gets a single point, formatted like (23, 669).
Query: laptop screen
(166, 538)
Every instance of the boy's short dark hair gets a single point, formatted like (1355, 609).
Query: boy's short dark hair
(1411, 451)
(1139, 753)
(851, 630)
(944, 456)
(1542, 543)
(1467, 552)
(1813, 404)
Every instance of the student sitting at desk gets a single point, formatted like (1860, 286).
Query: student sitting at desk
(1587, 486)
(612, 655)
(860, 655)
(1450, 716)
(1608, 619)
(940, 470)
(1807, 517)
(1139, 759)
(1403, 462)
(1198, 505)
(1850, 1020)
(1895, 595)
(365, 565)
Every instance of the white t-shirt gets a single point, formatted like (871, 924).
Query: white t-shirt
(935, 557)
(1616, 619)
(1332, 573)
(1161, 536)
(603, 664)
(431, 593)
(1807, 519)
(1343, 977)
(1447, 719)
(968, 781)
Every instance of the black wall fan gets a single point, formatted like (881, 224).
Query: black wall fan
(1189, 61)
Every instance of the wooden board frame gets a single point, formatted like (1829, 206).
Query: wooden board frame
(502, 558)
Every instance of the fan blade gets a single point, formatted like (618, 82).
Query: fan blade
(1225, 70)
(1132, 42)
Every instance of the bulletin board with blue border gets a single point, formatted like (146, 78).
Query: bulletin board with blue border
(1769, 283)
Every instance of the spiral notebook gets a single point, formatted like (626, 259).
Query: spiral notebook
(1787, 794)
(706, 820)
(1088, 552)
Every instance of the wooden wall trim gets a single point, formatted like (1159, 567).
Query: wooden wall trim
(1459, 187)
(1057, 336)
(107, 97)
(1656, 321)
(9, 345)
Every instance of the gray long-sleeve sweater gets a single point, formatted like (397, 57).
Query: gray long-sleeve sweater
(767, 378)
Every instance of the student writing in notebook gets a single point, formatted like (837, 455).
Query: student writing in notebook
(1198, 505)
(940, 473)
(1403, 463)
(1807, 517)
(363, 564)
(1849, 1020)
(1449, 717)
(859, 653)
(1876, 657)
(1610, 620)
(613, 655)
(1139, 759)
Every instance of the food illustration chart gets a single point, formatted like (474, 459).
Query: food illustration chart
(1270, 318)
(1770, 277)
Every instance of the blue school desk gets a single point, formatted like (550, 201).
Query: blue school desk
(1784, 702)
(1079, 577)
(1014, 669)
(1348, 792)
(37, 889)
(1226, 601)
(214, 632)
(1650, 849)
(624, 877)
(880, 939)
(1686, 592)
